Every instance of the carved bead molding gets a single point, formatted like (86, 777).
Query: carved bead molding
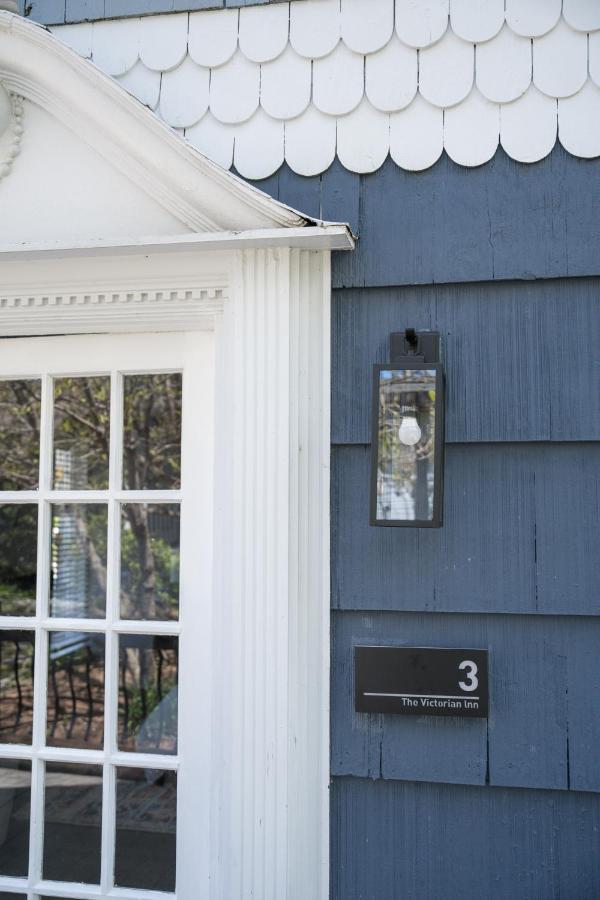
(11, 129)
(110, 310)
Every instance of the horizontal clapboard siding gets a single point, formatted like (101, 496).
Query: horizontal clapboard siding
(393, 840)
(520, 535)
(521, 357)
(543, 728)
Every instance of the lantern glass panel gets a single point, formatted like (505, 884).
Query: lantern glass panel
(406, 443)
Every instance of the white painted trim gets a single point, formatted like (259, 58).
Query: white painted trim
(321, 236)
(264, 665)
(200, 194)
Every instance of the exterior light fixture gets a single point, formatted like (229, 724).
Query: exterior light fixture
(407, 447)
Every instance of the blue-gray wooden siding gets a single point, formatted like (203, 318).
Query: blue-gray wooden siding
(504, 260)
(59, 12)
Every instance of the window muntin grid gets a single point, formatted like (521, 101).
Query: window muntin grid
(76, 629)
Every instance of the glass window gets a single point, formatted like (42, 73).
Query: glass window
(72, 822)
(20, 410)
(18, 559)
(78, 560)
(150, 561)
(15, 805)
(152, 432)
(148, 693)
(81, 433)
(16, 686)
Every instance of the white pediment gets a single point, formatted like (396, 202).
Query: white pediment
(82, 161)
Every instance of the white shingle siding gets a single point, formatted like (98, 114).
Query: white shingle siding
(306, 80)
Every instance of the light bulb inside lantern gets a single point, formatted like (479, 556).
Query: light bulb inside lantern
(409, 431)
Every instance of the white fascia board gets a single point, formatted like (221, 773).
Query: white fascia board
(323, 236)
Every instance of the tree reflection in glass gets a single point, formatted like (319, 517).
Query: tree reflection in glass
(152, 432)
(78, 560)
(150, 561)
(148, 675)
(406, 444)
(18, 559)
(20, 404)
(81, 433)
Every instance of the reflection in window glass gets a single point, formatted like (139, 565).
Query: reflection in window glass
(405, 464)
(15, 803)
(20, 403)
(81, 433)
(16, 686)
(18, 559)
(148, 670)
(72, 822)
(149, 561)
(75, 697)
(152, 432)
(146, 826)
(78, 571)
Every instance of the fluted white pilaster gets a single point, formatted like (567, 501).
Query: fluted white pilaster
(270, 718)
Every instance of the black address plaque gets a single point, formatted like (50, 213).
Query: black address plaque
(421, 681)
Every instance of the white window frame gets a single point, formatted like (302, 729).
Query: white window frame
(265, 684)
(116, 356)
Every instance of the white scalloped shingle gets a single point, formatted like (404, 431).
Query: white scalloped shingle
(263, 33)
(213, 139)
(143, 83)
(584, 15)
(420, 23)
(78, 37)
(213, 36)
(338, 81)
(314, 27)
(579, 122)
(367, 25)
(285, 85)
(391, 76)
(184, 94)
(258, 147)
(594, 57)
(528, 126)
(310, 142)
(116, 45)
(472, 130)
(234, 90)
(163, 41)
(532, 18)
(363, 139)
(417, 135)
(560, 61)
(446, 71)
(503, 66)
(476, 20)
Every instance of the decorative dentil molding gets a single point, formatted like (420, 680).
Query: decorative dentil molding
(11, 129)
(109, 310)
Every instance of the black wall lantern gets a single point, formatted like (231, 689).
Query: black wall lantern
(407, 447)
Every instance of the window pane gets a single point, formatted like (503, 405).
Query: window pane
(150, 561)
(15, 805)
(16, 686)
(81, 433)
(72, 822)
(78, 576)
(406, 464)
(152, 432)
(18, 559)
(20, 404)
(148, 693)
(146, 826)
(75, 715)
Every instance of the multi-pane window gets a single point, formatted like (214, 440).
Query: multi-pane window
(90, 513)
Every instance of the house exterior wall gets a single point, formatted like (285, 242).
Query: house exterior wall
(501, 260)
